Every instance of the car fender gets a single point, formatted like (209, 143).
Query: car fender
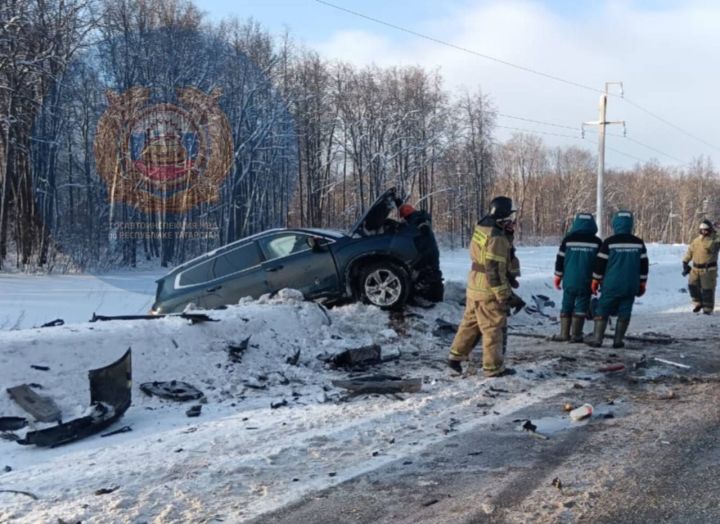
(351, 269)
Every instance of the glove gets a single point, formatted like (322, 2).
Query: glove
(558, 281)
(686, 269)
(595, 286)
(643, 285)
(513, 282)
(516, 303)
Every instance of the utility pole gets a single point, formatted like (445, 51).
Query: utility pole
(601, 123)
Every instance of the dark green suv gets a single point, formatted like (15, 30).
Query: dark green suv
(381, 261)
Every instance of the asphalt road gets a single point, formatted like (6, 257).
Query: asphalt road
(656, 460)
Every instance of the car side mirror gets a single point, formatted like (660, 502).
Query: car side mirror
(316, 244)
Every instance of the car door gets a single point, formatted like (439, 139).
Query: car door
(290, 262)
(238, 273)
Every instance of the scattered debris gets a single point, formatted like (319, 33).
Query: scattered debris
(325, 313)
(194, 411)
(671, 363)
(294, 358)
(379, 384)
(557, 483)
(53, 323)
(444, 329)
(652, 338)
(582, 412)
(42, 408)
(430, 502)
(531, 429)
(529, 426)
(105, 491)
(173, 390)
(568, 406)
(361, 356)
(275, 405)
(392, 354)
(18, 492)
(612, 367)
(235, 352)
(123, 429)
(194, 318)
(12, 423)
(40, 368)
(110, 396)
(541, 302)
(642, 363)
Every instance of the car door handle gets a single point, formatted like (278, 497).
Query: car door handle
(274, 268)
(211, 289)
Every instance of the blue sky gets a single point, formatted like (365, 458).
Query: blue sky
(665, 52)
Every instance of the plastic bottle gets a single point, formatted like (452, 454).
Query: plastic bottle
(581, 412)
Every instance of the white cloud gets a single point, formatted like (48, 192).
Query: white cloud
(666, 58)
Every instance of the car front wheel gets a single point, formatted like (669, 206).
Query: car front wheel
(385, 285)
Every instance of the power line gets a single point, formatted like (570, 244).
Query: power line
(668, 123)
(535, 132)
(515, 66)
(460, 48)
(537, 121)
(682, 162)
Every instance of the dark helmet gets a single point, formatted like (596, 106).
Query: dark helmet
(501, 207)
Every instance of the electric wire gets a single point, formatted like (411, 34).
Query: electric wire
(519, 67)
(460, 48)
(536, 132)
(537, 121)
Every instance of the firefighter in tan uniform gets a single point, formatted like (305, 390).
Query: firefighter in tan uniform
(703, 253)
(489, 295)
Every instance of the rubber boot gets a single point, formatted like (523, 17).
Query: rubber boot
(578, 323)
(596, 339)
(455, 366)
(564, 335)
(620, 330)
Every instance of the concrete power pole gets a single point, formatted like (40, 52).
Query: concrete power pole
(601, 123)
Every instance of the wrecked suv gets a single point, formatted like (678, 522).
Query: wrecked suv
(380, 261)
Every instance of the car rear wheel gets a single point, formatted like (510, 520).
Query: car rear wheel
(385, 285)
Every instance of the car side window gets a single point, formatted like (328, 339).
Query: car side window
(198, 274)
(243, 257)
(284, 244)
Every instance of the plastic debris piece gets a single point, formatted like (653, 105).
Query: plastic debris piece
(582, 412)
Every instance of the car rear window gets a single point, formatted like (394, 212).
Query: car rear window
(198, 274)
(236, 260)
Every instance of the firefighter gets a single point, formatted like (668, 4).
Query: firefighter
(573, 274)
(621, 271)
(703, 253)
(488, 295)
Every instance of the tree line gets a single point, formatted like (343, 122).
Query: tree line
(314, 141)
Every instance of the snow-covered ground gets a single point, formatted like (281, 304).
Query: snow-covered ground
(241, 457)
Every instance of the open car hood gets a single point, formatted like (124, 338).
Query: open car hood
(376, 213)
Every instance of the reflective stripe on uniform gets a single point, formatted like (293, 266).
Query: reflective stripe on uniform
(480, 238)
(496, 258)
(625, 246)
(581, 244)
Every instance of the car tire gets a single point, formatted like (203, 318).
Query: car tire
(384, 284)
